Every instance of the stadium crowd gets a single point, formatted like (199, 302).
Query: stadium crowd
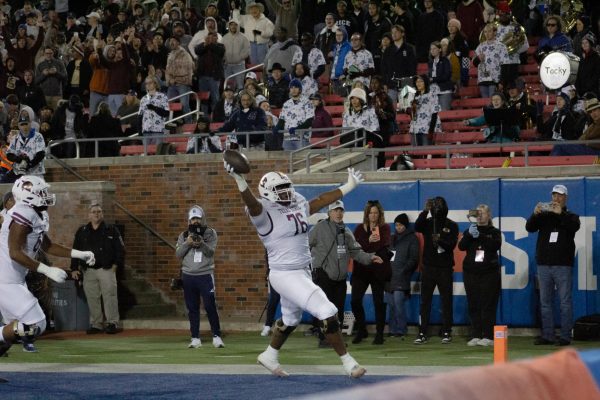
(61, 59)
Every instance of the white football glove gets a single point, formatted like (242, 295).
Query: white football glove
(86, 256)
(354, 179)
(56, 274)
(239, 179)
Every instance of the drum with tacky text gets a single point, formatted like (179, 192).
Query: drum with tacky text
(558, 69)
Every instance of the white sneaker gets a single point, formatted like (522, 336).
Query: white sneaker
(218, 342)
(195, 343)
(473, 342)
(353, 369)
(265, 331)
(485, 342)
(272, 364)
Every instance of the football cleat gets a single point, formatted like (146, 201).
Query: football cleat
(272, 365)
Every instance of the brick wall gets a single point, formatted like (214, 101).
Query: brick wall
(159, 191)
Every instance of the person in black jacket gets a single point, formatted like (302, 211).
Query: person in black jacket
(278, 86)
(481, 274)
(68, 122)
(29, 93)
(588, 74)
(440, 235)
(561, 124)
(554, 254)
(405, 247)
(104, 125)
(79, 74)
(100, 280)
(440, 75)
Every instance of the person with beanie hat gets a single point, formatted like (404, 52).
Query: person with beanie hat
(582, 29)
(297, 113)
(405, 247)
(588, 74)
(560, 125)
(196, 250)
(361, 115)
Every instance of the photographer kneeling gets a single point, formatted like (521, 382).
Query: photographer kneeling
(196, 249)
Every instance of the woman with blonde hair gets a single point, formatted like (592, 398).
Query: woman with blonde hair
(481, 274)
(374, 236)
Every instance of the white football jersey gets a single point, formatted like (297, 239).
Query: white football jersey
(11, 271)
(284, 233)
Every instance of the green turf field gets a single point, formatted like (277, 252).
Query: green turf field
(145, 347)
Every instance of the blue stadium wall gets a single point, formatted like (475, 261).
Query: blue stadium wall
(511, 201)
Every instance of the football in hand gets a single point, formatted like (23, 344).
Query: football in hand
(237, 160)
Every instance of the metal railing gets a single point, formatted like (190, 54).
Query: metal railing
(252, 68)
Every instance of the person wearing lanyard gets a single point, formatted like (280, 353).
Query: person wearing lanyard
(27, 151)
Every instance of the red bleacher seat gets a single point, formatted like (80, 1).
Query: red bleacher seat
(136, 150)
(203, 96)
(188, 128)
(333, 99)
(335, 111)
(475, 102)
(400, 140)
(451, 115)
(469, 91)
(215, 126)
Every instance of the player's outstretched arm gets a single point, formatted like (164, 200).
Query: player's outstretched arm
(59, 250)
(326, 198)
(254, 206)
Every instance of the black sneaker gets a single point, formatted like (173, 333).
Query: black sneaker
(378, 339)
(421, 339)
(111, 329)
(360, 335)
(543, 342)
(446, 338)
(93, 330)
(563, 342)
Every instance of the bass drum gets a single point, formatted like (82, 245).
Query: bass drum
(558, 69)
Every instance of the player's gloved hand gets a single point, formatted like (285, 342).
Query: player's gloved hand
(474, 231)
(86, 256)
(239, 179)
(56, 274)
(354, 179)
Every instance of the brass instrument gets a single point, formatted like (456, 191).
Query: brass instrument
(570, 10)
(513, 40)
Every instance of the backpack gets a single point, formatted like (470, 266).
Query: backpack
(587, 328)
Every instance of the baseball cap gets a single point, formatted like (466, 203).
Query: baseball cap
(196, 212)
(251, 75)
(24, 119)
(132, 92)
(560, 189)
(336, 204)
(93, 14)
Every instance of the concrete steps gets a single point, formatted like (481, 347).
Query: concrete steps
(337, 163)
(138, 299)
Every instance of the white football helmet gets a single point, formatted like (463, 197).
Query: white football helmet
(32, 191)
(277, 187)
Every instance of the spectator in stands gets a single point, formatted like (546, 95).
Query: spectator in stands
(68, 123)
(560, 126)
(301, 72)
(103, 125)
(398, 61)
(358, 63)
(27, 150)
(376, 24)
(120, 67)
(425, 109)
(582, 29)
(248, 117)
(554, 254)
(79, 74)
(297, 113)
(154, 110)
(10, 79)
(322, 117)
(588, 74)
(130, 105)
(555, 39)
(458, 53)
(470, 15)
(237, 49)
(25, 50)
(440, 75)
(332, 245)
(519, 101)
(287, 14)
(271, 118)
(310, 56)
(210, 67)
(326, 38)
(360, 13)
(386, 115)
(345, 19)
(374, 236)
(94, 28)
(15, 109)
(51, 75)
(430, 28)
(403, 17)
(156, 53)
(178, 74)
(278, 86)
(258, 29)
(212, 11)
(338, 55)
(208, 143)
(489, 56)
(496, 133)
(362, 116)
(225, 105)
(210, 26)
(98, 81)
(440, 235)
(29, 93)
(405, 245)
(198, 274)
(385, 43)
(507, 28)
(282, 51)
(592, 107)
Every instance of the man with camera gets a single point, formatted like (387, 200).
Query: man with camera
(332, 244)
(555, 253)
(100, 279)
(196, 249)
(440, 235)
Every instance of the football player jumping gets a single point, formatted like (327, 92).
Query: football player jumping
(280, 216)
(23, 234)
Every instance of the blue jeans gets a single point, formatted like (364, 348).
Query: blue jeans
(114, 102)
(445, 101)
(208, 84)
(573, 150)
(154, 140)
(296, 144)
(397, 302)
(231, 69)
(560, 277)
(194, 288)
(258, 52)
(487, 90)
(95, 99)
(176, 90)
